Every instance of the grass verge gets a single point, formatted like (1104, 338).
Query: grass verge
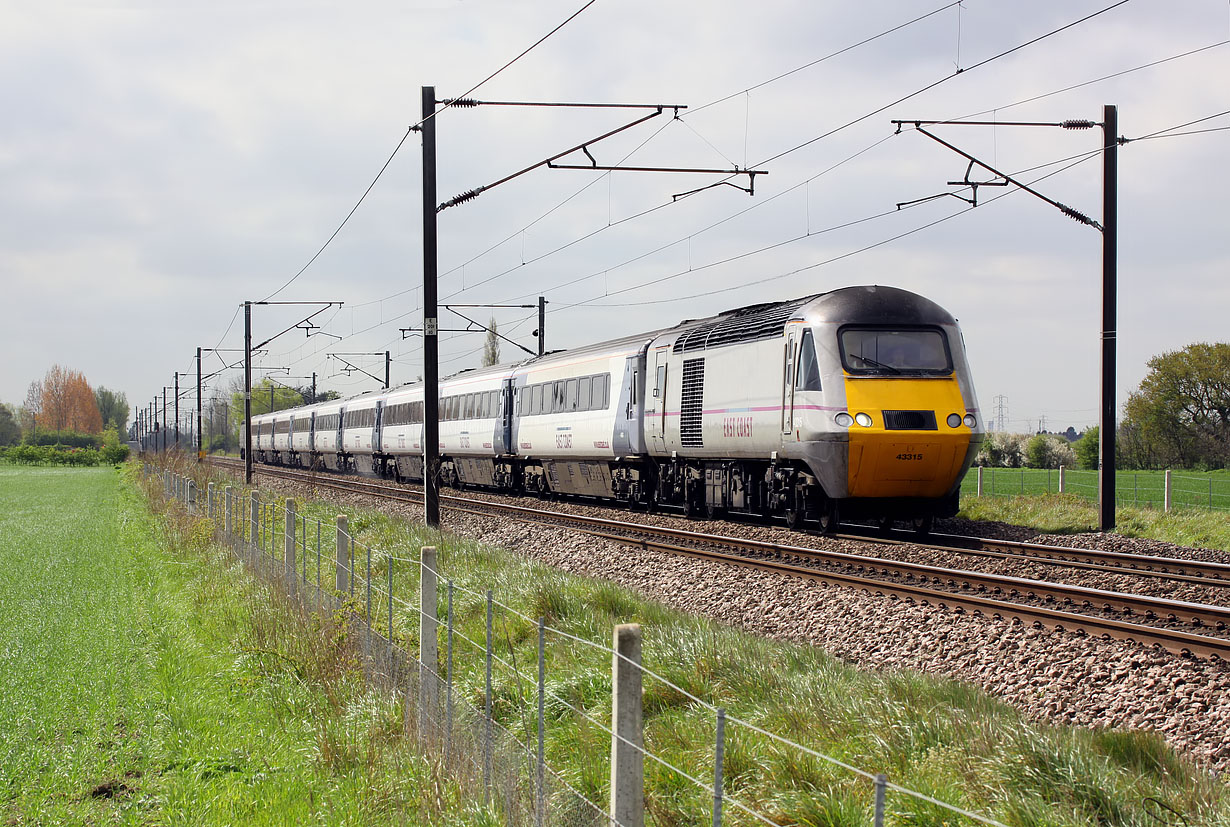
(1072, 514)
(145, 679)
(940, 737)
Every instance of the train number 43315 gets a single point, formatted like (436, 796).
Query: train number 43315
(909, 456)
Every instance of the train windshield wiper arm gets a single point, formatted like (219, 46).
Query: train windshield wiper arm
(874, 363)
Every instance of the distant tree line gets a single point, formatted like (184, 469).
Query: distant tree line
(1179, 417)
(63, 409)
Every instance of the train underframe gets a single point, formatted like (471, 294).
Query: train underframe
(701, 489)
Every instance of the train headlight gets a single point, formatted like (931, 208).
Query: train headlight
(863, 419)
(954, 420)
(844, 419)
(970, 421)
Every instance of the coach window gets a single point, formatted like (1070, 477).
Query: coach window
(584, 393)
(809, 368)
(602, 390)
(570, 395)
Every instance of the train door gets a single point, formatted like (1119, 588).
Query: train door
(507, 399)
(790, 354)
(377, 435)
(655, 405)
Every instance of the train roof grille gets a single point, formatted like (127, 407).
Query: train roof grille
(748, 324)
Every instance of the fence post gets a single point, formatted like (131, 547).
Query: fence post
(487, 747)
(1063, 483)
(256, 524)
(429, 643)
(979, 480)
(627, 737)
(1210, 492)
(229, 517)
(209, 501)
(448, 679)
(289, 532)
(718, 750)
(1166, 498)
(881, 788)
(342, 580)
(540, 814)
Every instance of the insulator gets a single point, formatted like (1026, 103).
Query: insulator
(1076, 215)
(1078, 124)
(463, 103)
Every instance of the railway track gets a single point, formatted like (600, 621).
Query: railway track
(1143, 619)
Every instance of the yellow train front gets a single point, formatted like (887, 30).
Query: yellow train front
(891, 427)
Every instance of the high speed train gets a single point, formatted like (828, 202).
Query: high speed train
(853, 403)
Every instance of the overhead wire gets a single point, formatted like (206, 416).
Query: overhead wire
(415, 126)
(779, 155)
(681, 118)
(1082, 158)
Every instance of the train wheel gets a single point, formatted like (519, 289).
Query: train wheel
(828, 517)
(922, 525)
(796, 509)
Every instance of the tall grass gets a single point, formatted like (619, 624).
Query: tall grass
(941, 737)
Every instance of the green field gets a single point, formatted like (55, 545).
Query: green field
(144, 681)
(1136, 489)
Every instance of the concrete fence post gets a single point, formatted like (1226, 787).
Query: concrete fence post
(229, 516)
(342, 580)
(979, 480)
(256, 525)
(1063, 480)
(289, 532)
(627, 734)
(429, 647)
(209, 501)
(1169, 492)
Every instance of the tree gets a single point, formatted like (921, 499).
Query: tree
(1002, 449)
(113, 407)
(10, 430)
(67, 402)
(1086, 449)
(1048, 451)
(491, 348)
(1180, 414)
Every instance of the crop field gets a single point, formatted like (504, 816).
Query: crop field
(138, 683)
(1137, 489)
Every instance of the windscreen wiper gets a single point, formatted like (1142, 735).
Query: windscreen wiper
(876, 364)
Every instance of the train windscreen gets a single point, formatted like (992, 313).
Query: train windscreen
(885, 351)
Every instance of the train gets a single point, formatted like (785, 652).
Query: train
(852, 404)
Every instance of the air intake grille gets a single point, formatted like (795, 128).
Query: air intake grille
(749, 324)
(692, 408)
(909, 420)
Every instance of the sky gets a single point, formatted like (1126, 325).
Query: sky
(163, 162)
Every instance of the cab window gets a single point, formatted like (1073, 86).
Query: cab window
(884, 351)
(809, 367)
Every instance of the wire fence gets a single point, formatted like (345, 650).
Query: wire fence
(1162, 490)
(495, 742)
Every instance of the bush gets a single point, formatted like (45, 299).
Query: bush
(1086, 449)
(53, 455)
(1002, 450)
(71, 439)
(1048, 451)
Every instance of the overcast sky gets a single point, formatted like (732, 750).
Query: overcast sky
(161, 162)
